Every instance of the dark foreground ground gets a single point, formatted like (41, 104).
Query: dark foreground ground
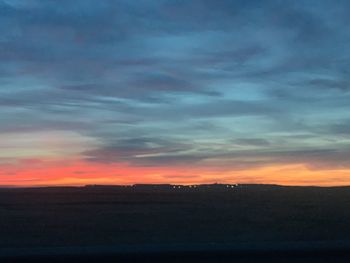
(260, 219)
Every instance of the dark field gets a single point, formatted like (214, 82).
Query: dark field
(106, 216)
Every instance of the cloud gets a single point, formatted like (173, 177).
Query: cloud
(252, 142)
(155, 152)
(133, 148)
(341, 85)
(215, 83)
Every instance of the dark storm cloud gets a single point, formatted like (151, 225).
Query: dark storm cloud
(130, 72)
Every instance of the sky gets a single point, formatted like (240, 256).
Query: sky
(174, 91)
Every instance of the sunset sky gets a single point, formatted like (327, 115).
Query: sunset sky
(174, 91)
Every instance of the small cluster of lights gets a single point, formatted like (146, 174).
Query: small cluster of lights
(180, 186)
(231, 186)
(208, 186)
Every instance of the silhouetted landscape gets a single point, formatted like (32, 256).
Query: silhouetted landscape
(166, 214)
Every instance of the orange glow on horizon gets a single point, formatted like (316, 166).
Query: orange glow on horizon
(77, 173)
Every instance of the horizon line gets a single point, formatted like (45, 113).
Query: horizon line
(160, 184)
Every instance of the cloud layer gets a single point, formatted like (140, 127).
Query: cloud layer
(227, 85)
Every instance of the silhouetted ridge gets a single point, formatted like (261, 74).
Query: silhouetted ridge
(167, 186)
